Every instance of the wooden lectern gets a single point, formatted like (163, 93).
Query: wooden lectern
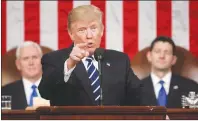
(102, 112)
(88, 112)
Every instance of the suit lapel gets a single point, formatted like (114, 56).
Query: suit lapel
(82, 75)
(21, 100)
(150, 91)
(173, 96)
(106, 66)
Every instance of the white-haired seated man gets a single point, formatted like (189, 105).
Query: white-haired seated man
(25, 92)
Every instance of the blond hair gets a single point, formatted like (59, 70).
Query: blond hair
(84, 12)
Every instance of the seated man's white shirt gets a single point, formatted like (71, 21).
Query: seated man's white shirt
(157, 86)
(67, 73)
(28, 88)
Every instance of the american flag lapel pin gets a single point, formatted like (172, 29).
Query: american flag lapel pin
(175, 87)
(108, 64)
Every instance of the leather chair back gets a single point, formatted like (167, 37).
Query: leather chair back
(186, 65)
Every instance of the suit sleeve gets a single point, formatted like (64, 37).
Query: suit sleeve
(48, 79)
(134, 87)
(52, 86)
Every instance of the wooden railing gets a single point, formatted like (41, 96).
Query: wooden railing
(89, 112)
(101, 112)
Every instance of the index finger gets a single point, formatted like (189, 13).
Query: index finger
(81, 45)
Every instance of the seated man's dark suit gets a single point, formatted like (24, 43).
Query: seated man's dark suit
(16, 90)
(178, 86)
(120, 85)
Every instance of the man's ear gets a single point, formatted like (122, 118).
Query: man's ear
(174, 60)
(102, 30)
(148, 55)
(18, 65)
(71, 35)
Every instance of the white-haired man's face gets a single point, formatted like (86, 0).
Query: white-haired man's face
(29, 62)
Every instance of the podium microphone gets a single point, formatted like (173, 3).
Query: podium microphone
(99, 55)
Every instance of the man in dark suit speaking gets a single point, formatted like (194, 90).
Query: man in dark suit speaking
(71, 77)
(163, 87)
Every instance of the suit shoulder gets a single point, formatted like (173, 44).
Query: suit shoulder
(11, 87)
(15, 83)
(55, 57)
(56, 53)
(115, 54)
(184, 80)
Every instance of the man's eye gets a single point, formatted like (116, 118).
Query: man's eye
(35, 57)
(81, 30)
(157, 51)
(168, 53)
(93, 28)
(26, 58)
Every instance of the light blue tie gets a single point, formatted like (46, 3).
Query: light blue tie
(34, 94)
(94, 77)
(162, 97)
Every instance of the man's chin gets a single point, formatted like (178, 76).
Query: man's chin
(162, 69)
(32, 75)
(91, 51)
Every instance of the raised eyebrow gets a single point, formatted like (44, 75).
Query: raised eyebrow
(26, 57)
(158, 49)
(167, 51)
(34, 56)
(94, 25)
(81, 28)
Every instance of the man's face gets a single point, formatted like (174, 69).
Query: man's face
(161, 57)
(29, 62)
(87, 32)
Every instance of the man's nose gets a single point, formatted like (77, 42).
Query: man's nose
(31, 62)
(89, 34)
(162, 55)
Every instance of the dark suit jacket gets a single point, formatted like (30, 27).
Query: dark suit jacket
(174, 97)
(120, 85)
(16, 90)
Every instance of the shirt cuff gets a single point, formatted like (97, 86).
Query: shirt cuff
(67, 73)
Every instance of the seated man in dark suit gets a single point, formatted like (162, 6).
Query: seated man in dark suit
(28, 62)
(163, 87)
(70, 76)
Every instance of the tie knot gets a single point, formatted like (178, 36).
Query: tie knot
(161, 82)
(34, 86)
(89, 59)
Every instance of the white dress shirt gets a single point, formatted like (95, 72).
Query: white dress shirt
(67, 72)
(28, 88)
(157, 86)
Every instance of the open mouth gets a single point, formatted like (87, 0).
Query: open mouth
(89, 45)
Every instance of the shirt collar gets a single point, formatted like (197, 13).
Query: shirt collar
(84, 59)
(166, 78)
(27, 82)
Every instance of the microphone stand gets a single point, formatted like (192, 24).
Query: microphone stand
(100, 77)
